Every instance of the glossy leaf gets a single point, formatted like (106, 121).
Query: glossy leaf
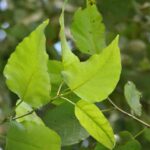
(133, 96)
(31, 136)
(88, 30)
(62, 120)
(93, 120)
(26, 71)
(23, 109)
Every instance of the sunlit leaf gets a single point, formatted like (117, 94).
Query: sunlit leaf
(94, 79)
(93, 120)
(23, 109)
(133, 96)
(31, 136)
(88, 30)
(26, 71)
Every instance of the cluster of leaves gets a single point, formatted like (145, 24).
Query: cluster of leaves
(92, 81)
(36, 80)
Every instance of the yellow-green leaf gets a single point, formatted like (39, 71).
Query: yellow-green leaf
(93, 120)
(31, 136)
(23, 109)
(26, 71)
(94, 79)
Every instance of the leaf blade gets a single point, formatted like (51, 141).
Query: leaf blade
(92, 119)
(25, 136)
(133, 96)
(62, 120)
(26, 70)
(23, 109)
(88, 30)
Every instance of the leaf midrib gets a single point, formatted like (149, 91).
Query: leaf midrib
(96, 124)
(93, 75)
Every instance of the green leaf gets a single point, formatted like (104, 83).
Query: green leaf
(100, 147)
(62, 120)
(26, 71)
(133, 96)
(93, 120)
(54, 68)
(126, 141)
(23, 109)
(88, 30)
(147, 134)
(91, 80)
(124, 136)
(31, 136)
(130, 145)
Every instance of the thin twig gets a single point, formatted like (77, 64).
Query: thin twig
(52, 99)
(29, 113)
(139, 133)
(107, 110)
(66, 99)
(59, 89)
(128, 114)
(18, 104)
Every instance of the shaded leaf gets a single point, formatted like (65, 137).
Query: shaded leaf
(124, 136)
(31, 136)
(88, 30)
(147, 134)
(26, 71)
(100, 147)
(63, 121)
(130, 145)
(133, 96)
(93, 120)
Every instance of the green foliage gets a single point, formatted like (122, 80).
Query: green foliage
(147, 134)
(100, 147)
(26, 71)
(86, 80)
(54, 69)
(23, 109)
(130, 145)
(49, 113)
(88, 30)
(63, 121)
(31, 136)
(92, 119)
(133, 98)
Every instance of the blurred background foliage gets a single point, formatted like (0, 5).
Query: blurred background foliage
(128, 18)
